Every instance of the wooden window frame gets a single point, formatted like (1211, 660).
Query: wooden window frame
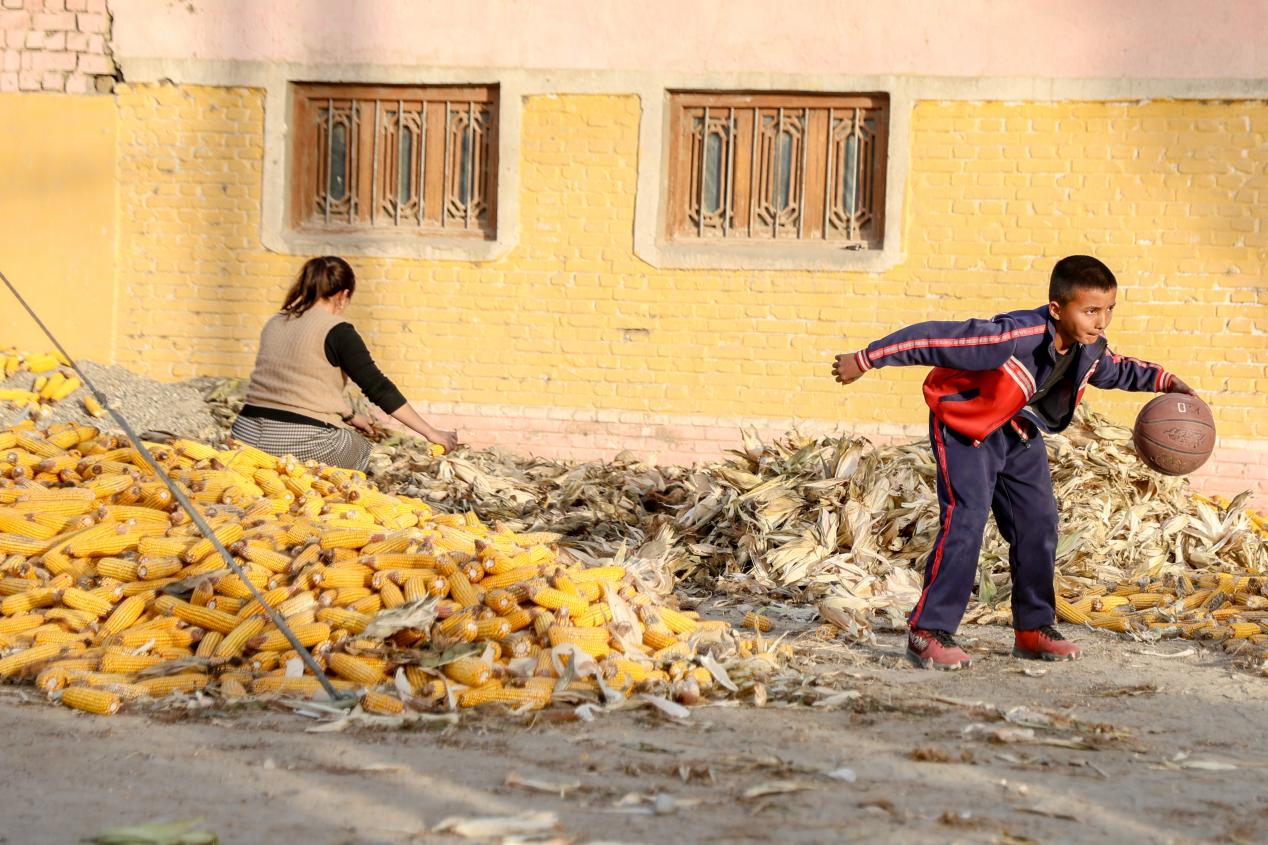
(373, 160)
(740, 224)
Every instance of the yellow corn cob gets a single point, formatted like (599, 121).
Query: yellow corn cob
(340, 617)
(86, 601)
(165, 546)
(462, 591)
(494, 628)
(1108, 621)
(1068, 612)
(309, 635)
(593, 641)
(334, 577)
(25, 602)
(236, 640)
(203, 617)
(383, 703)
(468, 671)
(97, 701)
(18, 624)
(127, 664)
(753, 620)
(92, 406)
(209, 643)
(169, 684)
(357, 669)
(226, 534)
(159, 637)
(658, 638)
(1241, 630)
(369, 605)
(553, 599)
(229, 604)
(118, 568)
(152, 568)
(29, 658)
(124, 615)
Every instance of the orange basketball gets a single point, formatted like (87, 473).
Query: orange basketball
(1174, 433)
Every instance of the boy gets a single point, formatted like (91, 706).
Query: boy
(996, 387)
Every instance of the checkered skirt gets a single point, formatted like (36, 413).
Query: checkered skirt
(341, 447)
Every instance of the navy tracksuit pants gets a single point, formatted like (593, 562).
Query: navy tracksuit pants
(1007, 475)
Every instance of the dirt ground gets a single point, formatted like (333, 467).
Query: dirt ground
(258, 776)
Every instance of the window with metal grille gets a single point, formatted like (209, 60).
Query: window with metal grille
(400, 159)
(770, 166)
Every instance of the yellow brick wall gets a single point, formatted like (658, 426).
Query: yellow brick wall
(1170, 195)
(57, 220)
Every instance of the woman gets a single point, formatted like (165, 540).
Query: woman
(295, 403)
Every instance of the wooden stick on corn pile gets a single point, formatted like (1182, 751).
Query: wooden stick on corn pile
(108, 595)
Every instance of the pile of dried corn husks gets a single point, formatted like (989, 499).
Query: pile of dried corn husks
(846, 526)
(110, 595)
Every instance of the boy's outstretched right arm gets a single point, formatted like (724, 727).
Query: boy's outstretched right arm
(968, 345)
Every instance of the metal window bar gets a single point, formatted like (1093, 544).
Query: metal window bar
(422, 159)
(329, 151)
(779, 129)
(352, 170)
(853, 205)
(400, 137)
(827, 176)
(374, 177)
(444, 193)
(752, 182)
(704, 155)
(730, 173)
(469, 166)
(801, 192)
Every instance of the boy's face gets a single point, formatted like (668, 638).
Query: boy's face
(1086, 316)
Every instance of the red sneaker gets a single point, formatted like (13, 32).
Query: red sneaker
(1044, 643)
(935, 650)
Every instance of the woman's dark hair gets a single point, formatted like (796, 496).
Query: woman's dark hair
(318, 279)
(1078, 271)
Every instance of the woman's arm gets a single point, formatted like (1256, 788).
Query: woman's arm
(345, 349)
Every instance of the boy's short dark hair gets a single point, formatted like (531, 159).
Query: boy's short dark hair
(1078, 271)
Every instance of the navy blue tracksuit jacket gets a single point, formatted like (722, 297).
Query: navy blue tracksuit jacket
(987, 441)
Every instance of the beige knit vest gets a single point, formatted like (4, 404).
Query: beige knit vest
(291, 371)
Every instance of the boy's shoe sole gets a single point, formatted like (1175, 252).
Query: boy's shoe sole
(1045, 655)
(928, 663)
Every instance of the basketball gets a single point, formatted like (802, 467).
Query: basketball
(1174, 433)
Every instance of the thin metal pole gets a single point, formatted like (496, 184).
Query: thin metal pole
(185, 503)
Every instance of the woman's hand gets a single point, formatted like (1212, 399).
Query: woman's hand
(365, 425)
(447, 439)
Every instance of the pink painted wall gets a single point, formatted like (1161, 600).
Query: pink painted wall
(1141, 39)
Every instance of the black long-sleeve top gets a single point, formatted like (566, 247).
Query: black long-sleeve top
(346, 350)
